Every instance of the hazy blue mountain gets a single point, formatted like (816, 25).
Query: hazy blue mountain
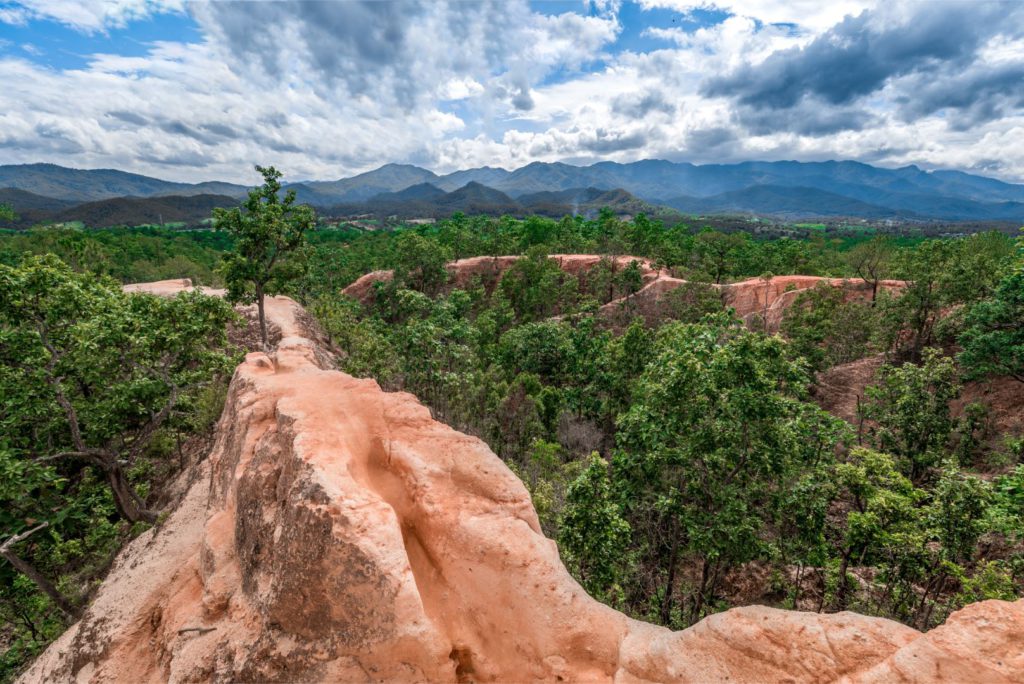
(485, 175)
(413, 193)
(388, 178)
(781, 202)
(782, 188)
(82, 185)
(474, 198)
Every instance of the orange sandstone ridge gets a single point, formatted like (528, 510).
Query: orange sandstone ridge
(762, 298)
(337, 533)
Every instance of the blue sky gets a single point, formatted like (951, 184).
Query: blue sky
(194, 91)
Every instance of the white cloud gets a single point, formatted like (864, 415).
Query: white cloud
(324, 90)
(89, 16)
(812, 15)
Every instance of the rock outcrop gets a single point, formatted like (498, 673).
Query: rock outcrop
(763, 300)
(340, 534)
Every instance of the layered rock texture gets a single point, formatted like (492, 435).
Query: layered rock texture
(338, 533)
(757, 300)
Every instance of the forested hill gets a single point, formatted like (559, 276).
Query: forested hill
(780, 189)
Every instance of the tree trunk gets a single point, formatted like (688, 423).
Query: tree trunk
(126, 500)
(666, 602)
(44, 584)
(698, 601)
(841, 590)
(262, 316)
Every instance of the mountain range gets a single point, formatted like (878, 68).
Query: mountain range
(783, 189)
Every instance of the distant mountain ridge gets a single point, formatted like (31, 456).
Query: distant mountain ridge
(787, 189)
(87, 185)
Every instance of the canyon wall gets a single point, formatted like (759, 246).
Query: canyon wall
(338, 533)
(759, 301)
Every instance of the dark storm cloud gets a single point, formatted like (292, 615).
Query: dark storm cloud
(707, 139)
(639, 105)
(808, 117)
(179, 128)
(980, 94)
(375, 49)
(858, 56)
(351, 41)
(613, 141)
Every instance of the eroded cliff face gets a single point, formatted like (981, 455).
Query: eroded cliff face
(338, 533)
(760, 300)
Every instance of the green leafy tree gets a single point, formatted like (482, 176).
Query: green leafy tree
(993, 335)
(267, 230)
(593, 535)
(827, 330)
(421, 263)
(717, 424)
(719, 254)
(6, 213)
(91, 373)
(880, 515)
(871, 261)
(910, 405)
(89, 378)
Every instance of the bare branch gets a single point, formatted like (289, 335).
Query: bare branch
(6, 546)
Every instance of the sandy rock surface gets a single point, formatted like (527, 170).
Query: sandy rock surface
(340, 534)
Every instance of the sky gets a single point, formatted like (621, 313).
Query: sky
(322, 90)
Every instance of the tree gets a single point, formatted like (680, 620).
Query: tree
(718, 253)
(421, 263)
(911, 317)
(716, 428)
(880, 511)
(267, 230)
(593, 534)
(993, 335)
(871, 262)
(6, 213)
(91, 373)
(910, 405)
(826, 330)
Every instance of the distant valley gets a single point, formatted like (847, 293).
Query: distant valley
(781, 190)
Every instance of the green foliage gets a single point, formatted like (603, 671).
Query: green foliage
(910, 406)
(716, 425)
(91, 373)
(593, 535)
(718, 254)
(826, 330)
(420, 263)
(268, 237)
(993, 336)
(537, 288)
(91, 378)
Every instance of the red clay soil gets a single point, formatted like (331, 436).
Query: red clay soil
(338, 533)
(756, 299)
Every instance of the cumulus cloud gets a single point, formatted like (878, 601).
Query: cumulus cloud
(405, 52)
(858, 55)
(333, 88)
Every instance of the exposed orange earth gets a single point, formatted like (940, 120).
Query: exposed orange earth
(338, 533)
(765, 298)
